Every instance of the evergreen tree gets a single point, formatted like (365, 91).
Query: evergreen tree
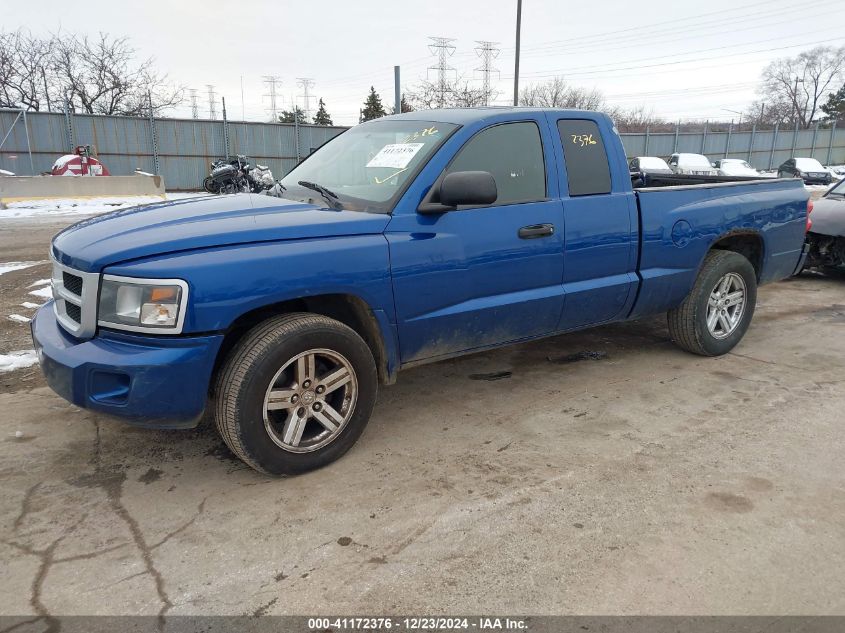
(287, 116)
(404, 106)
(373, 107)
(322, 117)
(834, 108)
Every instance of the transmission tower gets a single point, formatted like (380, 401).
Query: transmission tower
(306, 83)
(272, 82)
(212, 106)
(443, 49)
(195, 108)
(487, 51)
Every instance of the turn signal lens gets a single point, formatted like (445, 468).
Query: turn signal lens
(164, 294)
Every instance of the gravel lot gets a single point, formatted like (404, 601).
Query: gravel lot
(608, 473)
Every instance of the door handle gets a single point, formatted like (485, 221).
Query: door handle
(536, 230)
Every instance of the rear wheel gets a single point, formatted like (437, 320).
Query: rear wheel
(295, 394)
(718, 310)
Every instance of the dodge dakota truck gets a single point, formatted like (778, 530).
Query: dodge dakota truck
(402, 241)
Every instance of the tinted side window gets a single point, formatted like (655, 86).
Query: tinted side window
(586, 159)
(513, 153)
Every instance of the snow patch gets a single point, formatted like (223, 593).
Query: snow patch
(19, 318)
(30, 305)
(57, 207)
(45, 293)
(61, 161)
(7, 267)
(18, 360)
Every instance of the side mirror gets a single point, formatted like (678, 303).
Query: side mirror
(468, 187)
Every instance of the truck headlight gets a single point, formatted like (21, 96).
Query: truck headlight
(143, 305)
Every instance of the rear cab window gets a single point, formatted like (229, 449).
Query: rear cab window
(587, 169)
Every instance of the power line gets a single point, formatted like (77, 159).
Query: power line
(212, 106)
(195, 108)
(272, 81)
(305, 83)
(487, 51)
(591, 70)
(657, 38)
(443, 49)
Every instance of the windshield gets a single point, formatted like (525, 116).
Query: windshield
(652, 162)
(369, 165)
(808, 164)
(838, 189)
(735, 162)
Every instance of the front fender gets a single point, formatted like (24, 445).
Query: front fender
(225, 283)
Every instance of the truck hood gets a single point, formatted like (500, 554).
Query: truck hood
(204, 222)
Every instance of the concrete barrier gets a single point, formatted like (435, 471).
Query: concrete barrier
(18, 188)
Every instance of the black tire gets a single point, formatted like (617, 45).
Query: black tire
(246, 376)
(209, 185)
(688, 322)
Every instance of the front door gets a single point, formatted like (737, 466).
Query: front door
(482, 276)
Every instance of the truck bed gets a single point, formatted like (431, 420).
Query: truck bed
(679, 222)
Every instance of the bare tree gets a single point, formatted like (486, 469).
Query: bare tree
(793, 87)
(96, 75)
(460, 93)
(556, 93)
(25, 69)
(100, 76)
(636, 119)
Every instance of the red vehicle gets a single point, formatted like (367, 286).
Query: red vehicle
(80, 163)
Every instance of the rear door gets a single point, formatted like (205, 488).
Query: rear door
(601, 225)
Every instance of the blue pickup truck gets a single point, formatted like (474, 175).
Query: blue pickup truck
(402, 241)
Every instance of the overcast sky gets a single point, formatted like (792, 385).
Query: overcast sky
(690, 60)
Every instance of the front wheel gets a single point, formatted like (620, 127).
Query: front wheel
(295, 394)
(210, 185)
(718, 310)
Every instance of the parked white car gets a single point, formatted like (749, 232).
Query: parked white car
(649, 165)
(693, 164)
(735, 167)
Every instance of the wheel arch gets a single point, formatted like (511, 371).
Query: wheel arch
(749, 244)
(349, 309)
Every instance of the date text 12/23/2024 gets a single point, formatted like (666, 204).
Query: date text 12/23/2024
(422, 623)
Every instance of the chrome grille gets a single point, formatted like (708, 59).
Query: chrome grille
(75, 294)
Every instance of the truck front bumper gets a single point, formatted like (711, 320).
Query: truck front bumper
(159, 382)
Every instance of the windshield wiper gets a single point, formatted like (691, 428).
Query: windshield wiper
(329, 195)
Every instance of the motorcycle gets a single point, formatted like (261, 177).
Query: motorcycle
(237, 175)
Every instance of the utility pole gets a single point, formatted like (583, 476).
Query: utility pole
(272, 81)
(795, 96)
(516, 59)
(195, 108)
(212, 106)
(487, 51)
(243, 110)
(443, 49)
(305, 83)
(397, 92)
